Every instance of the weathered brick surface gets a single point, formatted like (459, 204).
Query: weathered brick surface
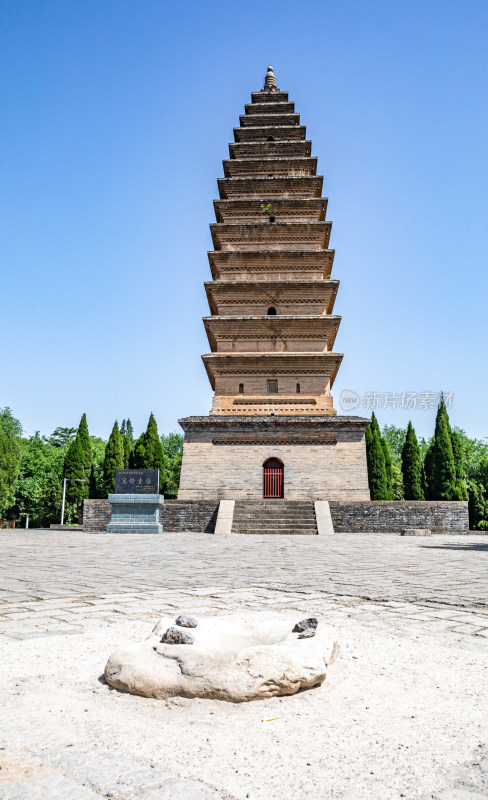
(223, 457)
(96, 515)
(193, 516)
(394, 516)
(198, 516)
(347, 517)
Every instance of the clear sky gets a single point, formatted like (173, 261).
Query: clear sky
(115, 118)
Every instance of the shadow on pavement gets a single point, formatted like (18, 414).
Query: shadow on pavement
(481, 546)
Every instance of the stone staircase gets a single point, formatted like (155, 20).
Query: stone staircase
(274, 516)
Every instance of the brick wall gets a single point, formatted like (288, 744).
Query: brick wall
(392, 517)
(96, 515)
(195, 516)
(199, 516)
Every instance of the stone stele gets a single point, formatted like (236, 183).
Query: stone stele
(229, 660)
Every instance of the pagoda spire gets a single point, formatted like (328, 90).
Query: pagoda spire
(270, 81)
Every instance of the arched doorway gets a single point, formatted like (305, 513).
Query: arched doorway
(273, 478)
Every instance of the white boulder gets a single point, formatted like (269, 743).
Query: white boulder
(228, 660)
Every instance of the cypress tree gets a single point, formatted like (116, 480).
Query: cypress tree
(154, 448)
(388, 468)
(127, 433)
(387, 458)
(440, 466)
(427, 472)
(74, 470)
(412, 466)
(137, 458)
(85, 441)
(148, 451)
(461, 491)
(114, 459)
(127, 444)
(378, 483)
(92, 486)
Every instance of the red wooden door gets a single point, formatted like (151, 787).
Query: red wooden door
(273, 473)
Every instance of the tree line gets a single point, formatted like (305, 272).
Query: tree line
(448, 466)
(32, 468)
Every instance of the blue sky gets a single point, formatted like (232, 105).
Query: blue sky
(116, 116)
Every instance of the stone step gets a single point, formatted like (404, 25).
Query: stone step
(268, 521)
(271, 518)
(274, 502)
(284, 532)
(275, 516)
(270, 525)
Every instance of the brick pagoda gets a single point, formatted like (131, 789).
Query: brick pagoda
(271, 328)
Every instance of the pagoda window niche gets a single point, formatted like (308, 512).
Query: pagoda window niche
(241, 388)
(271, 311)
(272, 386)
(298, 388)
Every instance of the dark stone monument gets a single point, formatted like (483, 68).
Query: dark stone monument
(136, 481)
(135, 502)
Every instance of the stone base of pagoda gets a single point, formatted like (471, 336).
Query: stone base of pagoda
(323, 457)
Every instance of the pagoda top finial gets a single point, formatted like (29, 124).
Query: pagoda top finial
(270, 82)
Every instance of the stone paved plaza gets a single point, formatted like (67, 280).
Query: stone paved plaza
(403, 712)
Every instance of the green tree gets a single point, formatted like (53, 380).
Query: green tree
(49, 507)
(477, 504)
(93, 484)
(475, 453)
(39, 483)
(397, 481)
(461, 491)
(148, 452)
(388, 468)
(412, 466)
(74, 470)
(127, 433)
(114, 459)
(137, 457)
(85, 441)
(395, 439)
(386, 456)
(173, 451)
(127, 445)
(439, 465)
(96, 472)
(10, 457)
(377, 477)
(61, 436)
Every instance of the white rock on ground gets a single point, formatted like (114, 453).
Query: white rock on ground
(229, 660)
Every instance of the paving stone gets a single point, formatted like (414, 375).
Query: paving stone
(50, 787)
(183, 790)
(436, 593)
(105, 770)
(458, 794)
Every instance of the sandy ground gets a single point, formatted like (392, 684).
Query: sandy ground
(397, 715)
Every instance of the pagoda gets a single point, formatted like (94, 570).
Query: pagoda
(271, 328)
